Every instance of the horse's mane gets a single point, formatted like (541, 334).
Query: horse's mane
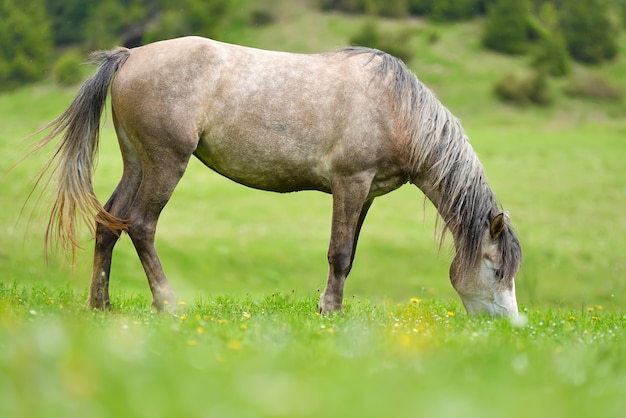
(440, 152)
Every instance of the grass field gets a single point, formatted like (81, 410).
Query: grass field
(273, 356)
(249, 266)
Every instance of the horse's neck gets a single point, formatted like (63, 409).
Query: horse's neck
(437, 198)
(449, 214)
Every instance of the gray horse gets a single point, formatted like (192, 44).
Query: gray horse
(355, 123)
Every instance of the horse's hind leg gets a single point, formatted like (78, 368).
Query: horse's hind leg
(159, 179)
(350, 206)
(105, 241)
(117, 205)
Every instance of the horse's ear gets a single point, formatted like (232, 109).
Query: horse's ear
(497, 226)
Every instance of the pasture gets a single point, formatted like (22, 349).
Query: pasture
(248, 266)
(273, 356)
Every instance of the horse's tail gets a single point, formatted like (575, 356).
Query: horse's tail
(72, 161)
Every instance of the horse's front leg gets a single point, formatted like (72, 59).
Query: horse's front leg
(350, 206)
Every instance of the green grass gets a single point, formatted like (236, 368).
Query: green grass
(227, 250)
(239, 356)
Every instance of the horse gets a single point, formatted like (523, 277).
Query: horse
(355, 123)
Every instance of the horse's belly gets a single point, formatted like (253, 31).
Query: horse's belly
(284, 166)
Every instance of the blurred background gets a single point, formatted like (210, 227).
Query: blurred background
(538, 84)
(554, 33)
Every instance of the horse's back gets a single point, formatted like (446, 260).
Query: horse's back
(271, 120)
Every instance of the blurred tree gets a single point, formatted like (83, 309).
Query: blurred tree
(589, 32)
(524, 89)
(443, 10)
(105, 24)
(419, 7)
(114, 22)
(451, 10)
(67, 69)
(593, 86)
(68, 19)
(395, 43)
(387, 8)
(506, 28)
(550, 55)
(25, 42)
(620, 9)
(346, 6)
(189, 17)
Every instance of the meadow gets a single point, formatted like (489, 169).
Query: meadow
(239, 356)
(248, 267)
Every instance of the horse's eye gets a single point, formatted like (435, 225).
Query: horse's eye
(489, 263)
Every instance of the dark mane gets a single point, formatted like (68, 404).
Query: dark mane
(441, 156)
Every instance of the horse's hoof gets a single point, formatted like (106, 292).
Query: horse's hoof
(329, 308)
(99, 306)
(164, 305)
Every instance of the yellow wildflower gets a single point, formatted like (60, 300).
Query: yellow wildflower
(415, 300)
(234, 345)
(450, 313)
(183, 317)
(246, 315)
(200, 330)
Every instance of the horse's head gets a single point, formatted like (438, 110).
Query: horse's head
(490, 287)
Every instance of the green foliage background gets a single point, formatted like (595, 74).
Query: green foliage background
(25, 42)
(32, 32)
